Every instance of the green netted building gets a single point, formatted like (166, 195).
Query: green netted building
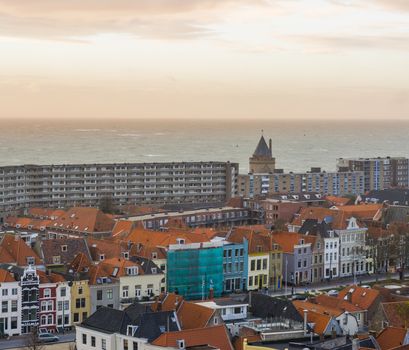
(195, 270)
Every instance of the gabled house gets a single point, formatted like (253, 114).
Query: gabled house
(15, 251)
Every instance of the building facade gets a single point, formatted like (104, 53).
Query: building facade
(235, 256)
(10, 311)
(136, 183)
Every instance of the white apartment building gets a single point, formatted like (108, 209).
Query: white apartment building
(331, 254)
(63, 305)
(10, 308)
(134, 183)
(352, 260)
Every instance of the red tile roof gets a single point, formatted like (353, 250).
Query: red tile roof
(391, 337)
(216, 336)
(192, 315)
(6, 276)
(363, 298)
(14, 250)
(397, 313)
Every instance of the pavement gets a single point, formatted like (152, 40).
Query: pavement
(19, 342)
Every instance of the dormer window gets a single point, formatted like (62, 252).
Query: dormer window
(181, 344)
(101, 257)
(180, 241)
(132, 271)
(115, 272)
(131, 330)
(154, 270)
(301, 241)
(154, 255)
(30, 260)
(64, 248)
(125, 255)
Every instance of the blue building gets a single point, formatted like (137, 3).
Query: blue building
(235, 260)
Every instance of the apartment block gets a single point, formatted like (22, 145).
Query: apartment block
(135, 183)
(380, 173)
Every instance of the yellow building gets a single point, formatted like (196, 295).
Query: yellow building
(276, 264)
(80, 301)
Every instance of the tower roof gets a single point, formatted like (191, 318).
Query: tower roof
(262, 149)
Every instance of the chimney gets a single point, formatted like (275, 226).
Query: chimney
(270, 144)
(305, 321)
(355, 344)
(211, 293)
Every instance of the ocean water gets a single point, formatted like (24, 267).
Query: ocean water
(297, 145)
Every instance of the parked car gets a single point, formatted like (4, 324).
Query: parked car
(298, 297)
(333, 293)
(47, 338)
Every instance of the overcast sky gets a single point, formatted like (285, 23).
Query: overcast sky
(204, 59)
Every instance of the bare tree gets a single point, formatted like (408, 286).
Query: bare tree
(33, 342)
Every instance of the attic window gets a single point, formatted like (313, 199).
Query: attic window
(101, 257)
(125, 255)
(180, 241)
(64, 248)
(131, 330)
(72, 216)
(115, 272)
(86, 229)
(132, 271)
(154, 270)
(30, 260)
(181, 343)
(154, 255)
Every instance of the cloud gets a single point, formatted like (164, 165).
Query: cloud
(401, 5)
(65, 19)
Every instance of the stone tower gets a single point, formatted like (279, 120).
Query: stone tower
(262, 160)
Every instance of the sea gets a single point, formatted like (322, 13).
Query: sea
(297, 144)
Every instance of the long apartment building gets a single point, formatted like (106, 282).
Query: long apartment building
(380, 173)
(264, 178)
(136, 183)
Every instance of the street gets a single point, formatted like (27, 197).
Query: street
(364, 279)
(20, 341)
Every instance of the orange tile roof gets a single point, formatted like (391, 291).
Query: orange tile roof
(333, 302)
(122, 228)
(49, 213)
(259, 240)
(287, 240)
(192, 315)
(50, 277)
(364, 298)
(108, 247)
(307, 305)
(337, 200)
(84, 219)
(340, 215)
(215, 336)
(14, 250)
(391, 337)
(167, 302)
(6, 276)
(320, 320)
(361, 211)
(164, 239)
(80, 263)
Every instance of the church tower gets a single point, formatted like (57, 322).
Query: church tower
(262, 160)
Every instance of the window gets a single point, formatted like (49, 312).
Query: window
(126, 344)
(47, 293)
(138, 289)
(76, 319)
(14, 291)
(13, 305)
(80, 290)
(50, 319)
(253, 265)
(250, 281)
(4, 306)
(135, 345)
(43, 320)
(30, 260)
(93, 341)
(125, 291)
(14, 323)
(63, 292)
(150, 289)
(4, 292)
(56, 260)
(109, 293)
(103, 344)
(84, 338)
(258, 264)
(80, 302)
(99, 294)
(264, 264)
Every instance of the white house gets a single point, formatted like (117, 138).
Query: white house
(229, 308)
(63, 294)
(10, 308)
(331, 254)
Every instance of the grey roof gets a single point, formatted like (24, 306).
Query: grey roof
(395, 213)
(262, 150)
(313, 227)
(339, 343)
(265, 306)
(146, 264)
(398, 196)
(150, 325)
(73, 246)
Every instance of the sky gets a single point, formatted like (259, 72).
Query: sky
(317, 59)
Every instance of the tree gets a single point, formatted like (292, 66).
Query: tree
(32, 341)
(106, 205)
